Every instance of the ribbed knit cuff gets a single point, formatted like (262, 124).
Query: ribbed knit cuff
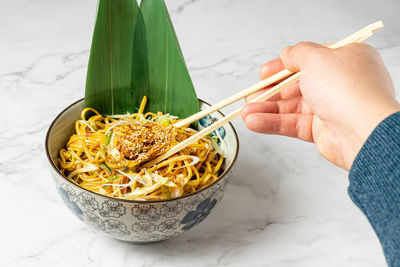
(375, 184)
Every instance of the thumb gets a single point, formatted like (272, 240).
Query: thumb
(296, 57)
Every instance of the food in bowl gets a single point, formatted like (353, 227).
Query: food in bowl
(134, 220)
(106, 155)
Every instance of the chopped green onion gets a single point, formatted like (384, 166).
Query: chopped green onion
(108, 179)
(93, 125)
(215, 139)
(105, 167)
(163, 121)
(103, 153)
(111, 179)
(166, 192)
(108, 138)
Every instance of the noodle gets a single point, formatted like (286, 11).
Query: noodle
(105, 156)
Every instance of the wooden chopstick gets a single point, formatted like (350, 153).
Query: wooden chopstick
(359, 36)
(273, 79)
(248, 91)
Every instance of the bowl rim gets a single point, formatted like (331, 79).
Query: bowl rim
(55, 168)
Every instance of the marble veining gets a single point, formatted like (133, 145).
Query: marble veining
(286, 206)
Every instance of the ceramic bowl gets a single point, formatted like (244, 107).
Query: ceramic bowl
(137, 221)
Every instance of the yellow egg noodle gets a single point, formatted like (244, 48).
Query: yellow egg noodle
(105, 156)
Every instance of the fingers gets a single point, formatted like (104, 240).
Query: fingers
(262, 107)
(288, 117)
(270, 68)
(290, 92)
(292, 125)
(296, 57)
(294, 105)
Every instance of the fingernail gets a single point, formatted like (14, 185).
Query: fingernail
(263, 71)
(284, 50)
(244, 113)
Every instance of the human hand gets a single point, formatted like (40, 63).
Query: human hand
(342, 95)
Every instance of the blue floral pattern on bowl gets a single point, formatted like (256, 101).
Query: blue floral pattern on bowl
(112, 208)
(171, 209)
(145, 212)
(140, 222)
(199, 214)
(143, 228)
(207, 121)
(70, 204)
(88, 202)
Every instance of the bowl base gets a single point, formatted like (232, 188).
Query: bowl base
(141, 243)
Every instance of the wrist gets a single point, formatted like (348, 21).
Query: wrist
(371, 118)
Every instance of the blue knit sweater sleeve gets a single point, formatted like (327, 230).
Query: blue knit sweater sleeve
(375, 185)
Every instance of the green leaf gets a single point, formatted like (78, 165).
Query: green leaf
(171, 88)
(134, 55)
(117, 74)
(140, 65)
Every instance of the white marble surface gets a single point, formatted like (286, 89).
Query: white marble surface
(286, 206)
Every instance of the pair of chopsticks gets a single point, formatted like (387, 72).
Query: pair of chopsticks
(357, 37)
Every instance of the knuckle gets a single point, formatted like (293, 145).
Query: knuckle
(362, 47)
(318, 53)
(360, 50)
(312, 51)
(303, 45)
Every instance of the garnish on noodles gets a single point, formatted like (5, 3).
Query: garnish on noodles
(106, 155)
